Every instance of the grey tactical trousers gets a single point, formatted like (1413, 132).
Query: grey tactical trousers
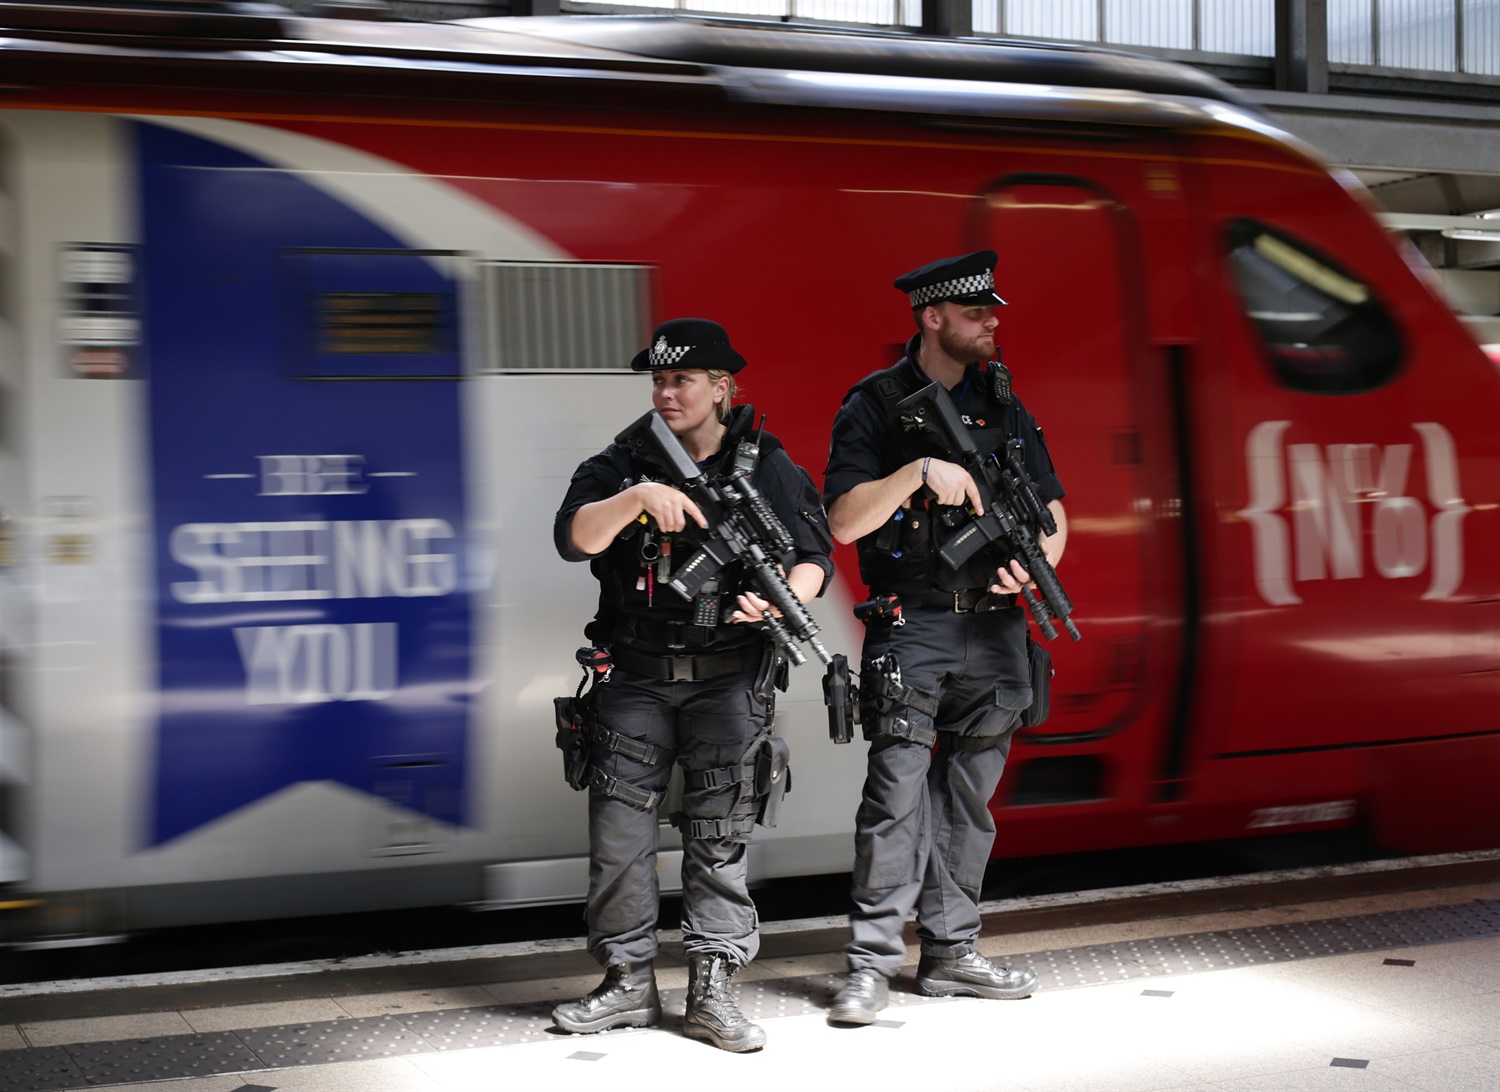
(709, 725)
(923, 831)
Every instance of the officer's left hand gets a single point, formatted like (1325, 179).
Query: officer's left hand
(1012, 581)
(753, 609)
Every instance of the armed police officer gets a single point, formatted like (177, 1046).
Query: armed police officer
(690, 681)
(950, 667)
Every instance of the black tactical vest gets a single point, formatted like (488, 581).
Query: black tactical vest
(625, 585)
(901, 555)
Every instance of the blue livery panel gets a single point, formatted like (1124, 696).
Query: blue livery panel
(314, 619)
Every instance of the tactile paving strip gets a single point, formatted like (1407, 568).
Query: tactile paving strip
(498, 1025)
(39, 1068)
(1103, 963)
(333, 1041)
(92, 1065)
(129, 1060)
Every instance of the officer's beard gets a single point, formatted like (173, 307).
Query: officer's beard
(973, 350)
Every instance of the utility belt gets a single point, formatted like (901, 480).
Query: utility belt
(690, 667)
(967, 601)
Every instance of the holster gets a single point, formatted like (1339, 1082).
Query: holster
(773, 778)
(1039, 660)
(773, 674)
(883, 705)
(575, 723)
(760, 780)
(842, 699)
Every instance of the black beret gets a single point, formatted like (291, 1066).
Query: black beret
(688, 343)
(968, 279)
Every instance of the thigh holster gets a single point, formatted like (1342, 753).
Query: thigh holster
(584, 742)
(575, 723)
(605, 742)
(885, 705)
(761, 780)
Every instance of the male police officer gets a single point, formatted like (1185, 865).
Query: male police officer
(953, 670)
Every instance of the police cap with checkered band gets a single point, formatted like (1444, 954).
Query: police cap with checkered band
(688, 343)
(968, 279)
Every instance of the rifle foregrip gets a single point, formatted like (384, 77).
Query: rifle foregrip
(794, 615)
(1041, 614)
(1053, 600)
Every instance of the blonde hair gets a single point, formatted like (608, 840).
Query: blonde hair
(722, 409)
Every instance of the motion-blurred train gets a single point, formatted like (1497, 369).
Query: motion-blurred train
(305, 324)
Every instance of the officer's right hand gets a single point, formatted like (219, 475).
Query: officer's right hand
(667, 506)
(953, 485)
(1012, 580)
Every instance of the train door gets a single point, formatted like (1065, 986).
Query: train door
(309, 516)
(1350, 460)
(1072, 270)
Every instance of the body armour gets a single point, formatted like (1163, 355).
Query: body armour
(901, 555)
(635, 601)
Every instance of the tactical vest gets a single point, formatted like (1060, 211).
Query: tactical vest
(625, 585)
(901, 555)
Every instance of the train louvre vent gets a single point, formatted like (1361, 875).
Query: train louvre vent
(564, 316)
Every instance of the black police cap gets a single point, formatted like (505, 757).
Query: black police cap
(968, 279)
(688, 343)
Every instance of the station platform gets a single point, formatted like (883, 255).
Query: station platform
(1377, 976)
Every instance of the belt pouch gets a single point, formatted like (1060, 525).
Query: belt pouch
(1039, 660)
(773, 778)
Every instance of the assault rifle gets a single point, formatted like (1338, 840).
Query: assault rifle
(1014, 512)
(741, 527)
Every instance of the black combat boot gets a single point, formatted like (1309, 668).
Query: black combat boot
(712, 1015)
(863, 995)
(627, 998)
(968, 974)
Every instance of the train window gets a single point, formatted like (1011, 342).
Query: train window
(1323, 330)
(372, 314)
(564, 316)
(380, 322)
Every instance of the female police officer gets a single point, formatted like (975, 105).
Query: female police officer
(679, 689)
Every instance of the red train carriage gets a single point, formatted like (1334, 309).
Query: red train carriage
(302, 564)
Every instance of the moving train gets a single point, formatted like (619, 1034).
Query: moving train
(305, 323)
